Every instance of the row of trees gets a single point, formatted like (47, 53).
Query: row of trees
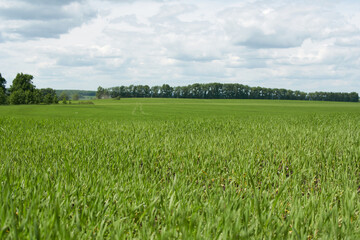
(23, 91)
(221, 91)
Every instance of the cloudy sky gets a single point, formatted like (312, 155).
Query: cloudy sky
(82, 44)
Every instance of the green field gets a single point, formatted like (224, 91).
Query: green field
(180, 169)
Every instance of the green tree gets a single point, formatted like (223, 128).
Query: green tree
(63, 96)
(166, 91)
(49, 94)
(29, 97)
(2, 84)
(17, 97)
(38, 98)
(3, 98)
(353, 97)
(55, 99)
(155, 91)
(75, 97)
(23, 82)
(22, 90)
(48, 99)
(100, 92)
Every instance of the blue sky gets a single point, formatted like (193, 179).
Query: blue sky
(69, 44)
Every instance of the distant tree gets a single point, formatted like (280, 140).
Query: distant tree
(48, 95)
(23, 82)
(29, 97)
(63, 96)
(185, 91)
(146, 91)
(100, 93)
(2, 84)
(354, 97)
(155, 91)
(3, 98)
(222, 91)
(75, 97)
(166, 91)
(63, 99)
(17, 97)
(55, 99)
(22, 90)
(38, 97)
(48, 99)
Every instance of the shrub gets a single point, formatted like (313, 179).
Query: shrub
(3, 98)
(17, 97)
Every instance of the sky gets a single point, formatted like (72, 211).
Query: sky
(82, 44)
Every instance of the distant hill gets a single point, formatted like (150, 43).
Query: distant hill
(83, 94)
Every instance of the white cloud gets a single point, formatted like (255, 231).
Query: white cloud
(306, 45)
(25, 20)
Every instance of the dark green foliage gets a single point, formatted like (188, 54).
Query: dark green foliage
(3, 98)
(102, 93)
(2, 84)
(48, 96)
(48, 99)
(55, 99)
(18, 97)
(38, 97)
(30, 97)
(45, 91)
(23, 91)
(332, 96)
(354, 97)
(221, 91)
(166, 91)
(64, 97)
(23, 82)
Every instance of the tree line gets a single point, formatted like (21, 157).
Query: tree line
(23, 91)
(221, 91)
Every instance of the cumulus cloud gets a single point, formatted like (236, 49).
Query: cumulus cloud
(130, 19)
(32, 13)
(50, 2)
(268, 26)
(306, 45)
(43, 19)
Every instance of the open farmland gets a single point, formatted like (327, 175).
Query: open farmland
(187, 169)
